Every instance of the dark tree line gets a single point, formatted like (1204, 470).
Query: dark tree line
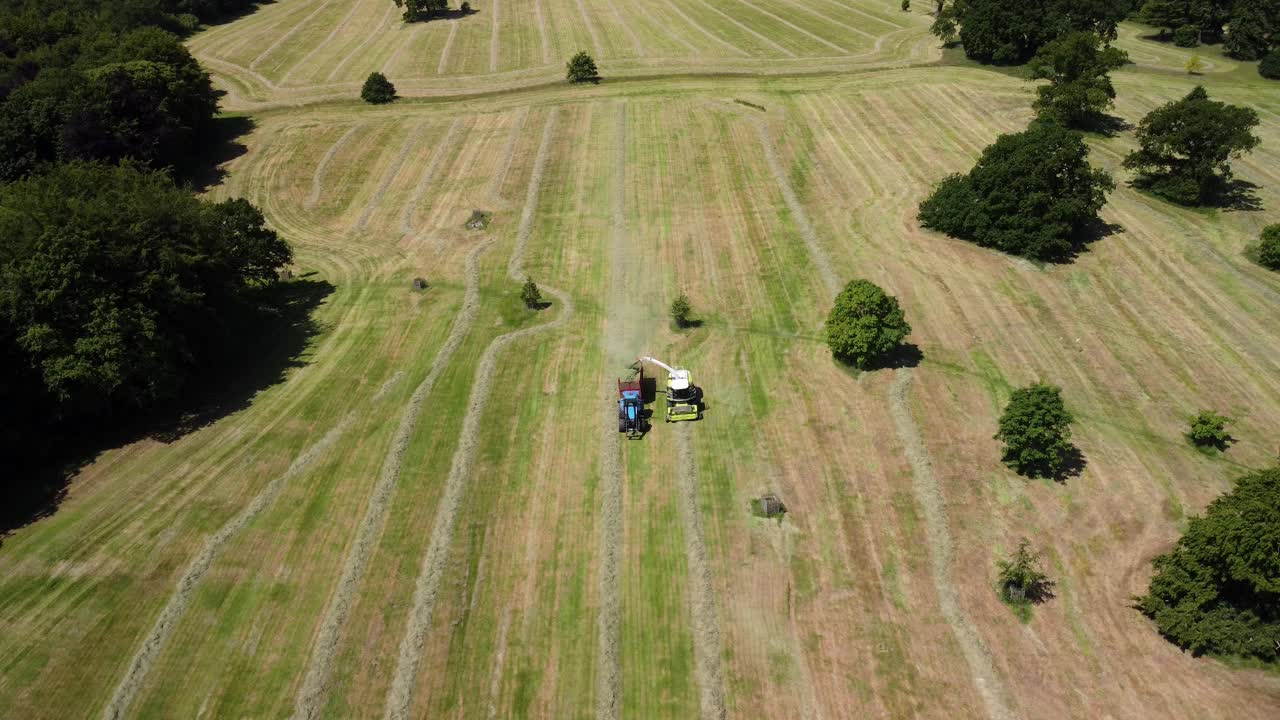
(1008, 32)
(1248, 29)
(118, 287)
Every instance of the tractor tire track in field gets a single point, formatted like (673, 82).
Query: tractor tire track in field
(173, 611)
(448, 45)
(428, 176)
(377, 33)
(609, 622)
(928, 495)
(816, 254)
(253, 65)
(323, 45)
(311, 697)
(317, 179)
(389, 176)
(494, 25)
(797, 28)
(596, 46)
(702, 594)
(400, 696)
(542, 32)
(933, 507)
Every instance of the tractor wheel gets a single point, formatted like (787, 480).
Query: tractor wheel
(622, 424)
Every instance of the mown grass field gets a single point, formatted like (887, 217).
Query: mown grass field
(432, 514)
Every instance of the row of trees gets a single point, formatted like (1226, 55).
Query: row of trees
(1008, 32)
(118, 288)
(1247, 29)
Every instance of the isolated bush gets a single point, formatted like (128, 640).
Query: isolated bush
(582, 68)
(1184, 147)
(1031, 193)
(465, 8)
(906, 5)
(1270, 65)
(530, 294)
(1208, 429)
(682, 311)
(1194, 65)
(1218, 590)
(1021, 581)
(1187, 36)
(1079, 90)
(1269, 247)
(1036, 429)
(864, 324)
(377, 89)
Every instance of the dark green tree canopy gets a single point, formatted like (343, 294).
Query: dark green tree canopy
(1077, 66)
(114, 279)
(1269, 247)
(1035, 429)
(1184, 147)
(582, 68)
(377, 89)
(1218, 590)
(865, 324)
(1031, 193)
(1008, 32)
(1253, 28)
(416, 10)
(1270, 65)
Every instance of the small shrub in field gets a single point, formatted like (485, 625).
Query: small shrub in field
(1209, 430)
(1270, 65)
(465, 8)
(1021, 581)
(906, 5)
(864, 324)
(377, 89)
(1194, 65)
(530, 294)
(1036, 429)
(1269, 247)
(582, 68)
(682, 311)
(1187, 36)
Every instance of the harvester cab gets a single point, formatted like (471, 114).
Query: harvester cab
(631, 404)
(684, 399)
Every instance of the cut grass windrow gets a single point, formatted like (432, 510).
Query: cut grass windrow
(181, 597)
(400, 696)
(933, 507)
(428, 176)
(311, 697)
(702, 595)
(609, 623)
(317, 179)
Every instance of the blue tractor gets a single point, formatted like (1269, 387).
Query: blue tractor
(631, 405)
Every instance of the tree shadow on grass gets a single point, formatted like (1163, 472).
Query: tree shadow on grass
(206, 167)
(260, 345)
(906, 355)
(1073, 465)
(1108, 125)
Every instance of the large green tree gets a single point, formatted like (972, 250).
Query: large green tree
(1077, 66)
(1036, 430)
(1253, 29)
(1012, 31)
(1218, 590)
(115, 281)
(865, 324)
(1185, 147)
(1031, 193)
(415, 10)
